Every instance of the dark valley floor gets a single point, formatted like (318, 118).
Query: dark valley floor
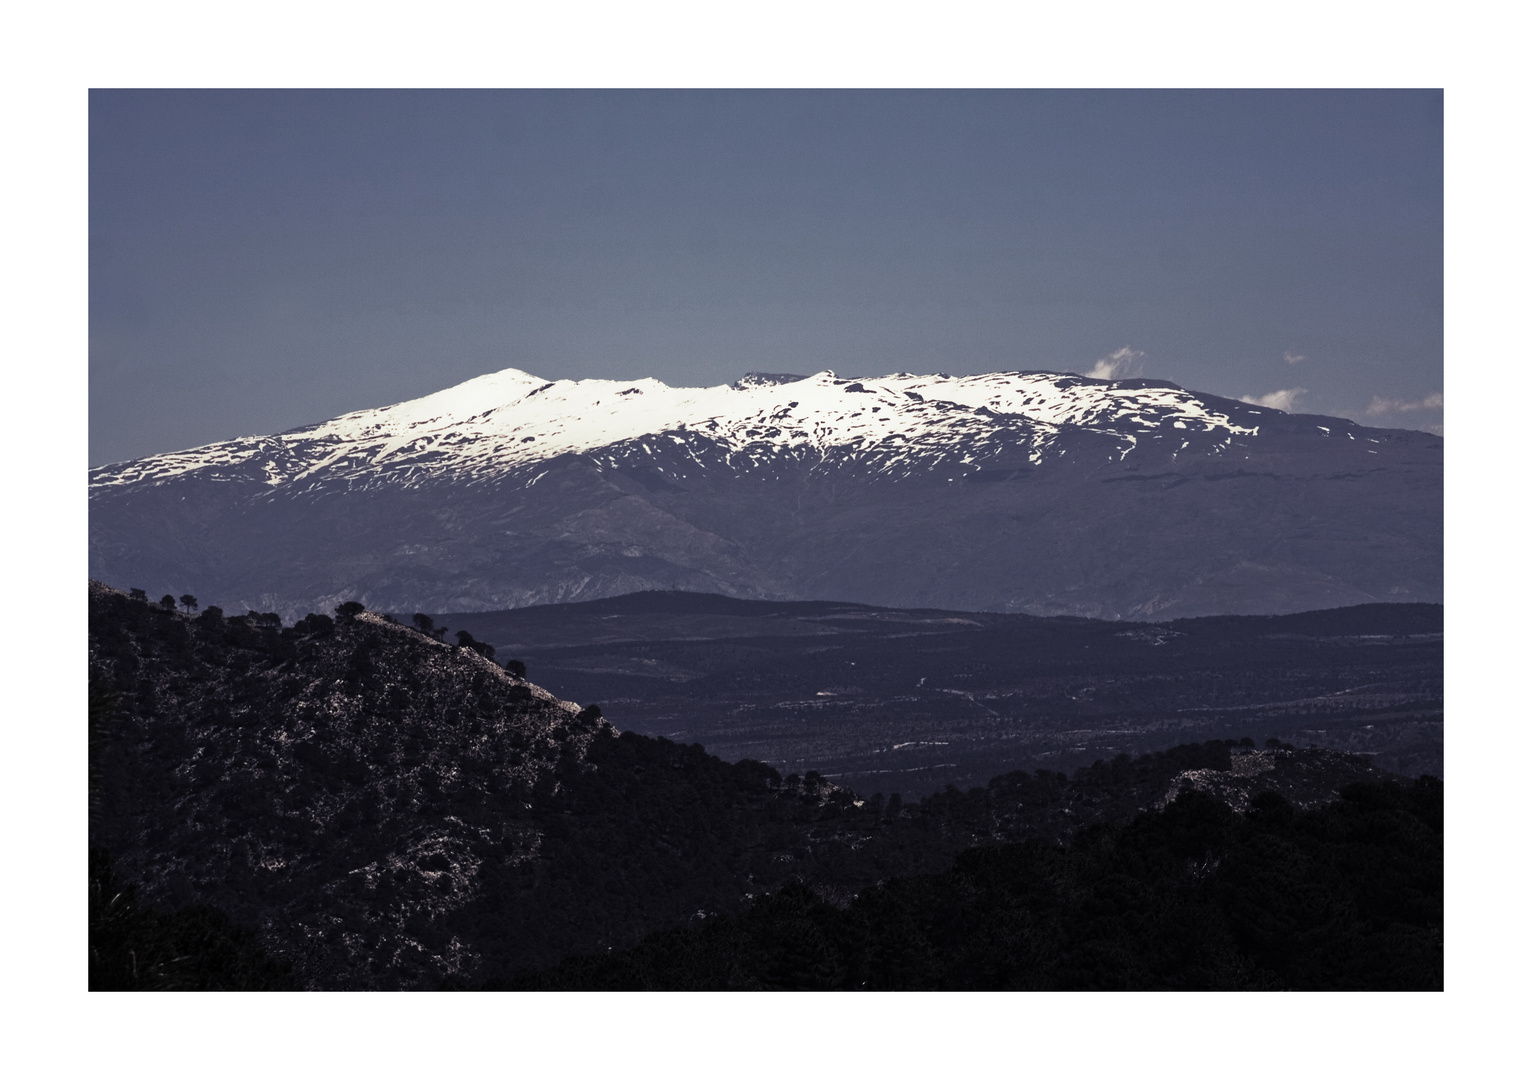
(912, 700)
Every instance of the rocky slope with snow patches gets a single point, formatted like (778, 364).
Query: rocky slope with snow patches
(1020, 491)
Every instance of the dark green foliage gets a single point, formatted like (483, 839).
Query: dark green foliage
(483, 648)
(356, 758)
(101, 704)
(427, 626)
(392, 812)
(136, 947)
(314, 625)
(1348, 896)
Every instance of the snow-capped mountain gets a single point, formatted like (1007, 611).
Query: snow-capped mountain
(1029, 491)
(495, 424)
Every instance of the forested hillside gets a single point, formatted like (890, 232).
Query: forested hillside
(352, 803)
(1347, 896)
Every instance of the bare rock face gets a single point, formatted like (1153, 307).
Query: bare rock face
(1023, 492)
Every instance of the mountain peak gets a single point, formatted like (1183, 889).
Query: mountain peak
(1035, 491)
(512, 419)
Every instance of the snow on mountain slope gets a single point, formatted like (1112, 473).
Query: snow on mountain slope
(510, 419)
(1015, 491)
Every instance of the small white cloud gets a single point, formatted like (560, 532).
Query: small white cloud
(1277, 399)
(1382, 406)
(1293, 358)
(1122, 364)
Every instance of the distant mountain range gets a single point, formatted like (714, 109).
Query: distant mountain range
(1030, 492)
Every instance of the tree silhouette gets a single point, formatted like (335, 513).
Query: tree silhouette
(424, 623)
(168, 602)
(315, 624)
(483, 648)
(189, 602)
(350, 609)
(138, 594)
(516, 668)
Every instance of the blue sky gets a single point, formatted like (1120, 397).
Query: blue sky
(261, 260)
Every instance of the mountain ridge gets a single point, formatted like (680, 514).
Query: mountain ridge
(752, 413)
(1016, 491)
